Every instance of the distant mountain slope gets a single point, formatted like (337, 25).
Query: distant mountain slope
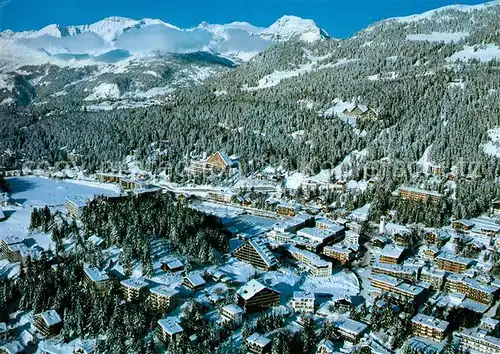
(155, 57)
(433, 81)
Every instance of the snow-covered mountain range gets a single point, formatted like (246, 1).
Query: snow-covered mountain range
(118, 38)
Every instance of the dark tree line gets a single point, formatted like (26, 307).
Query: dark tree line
(132, 223)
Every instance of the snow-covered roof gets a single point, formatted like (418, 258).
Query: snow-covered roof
(319, 235)
(474, 284)
(77, 201)
(263, 251)
(303, 295)
(134, 283)
(170, 327)
(258, 340)
(50, 317)
(392, 251)
(340, 249)
(174, 264)
(195, 279)
(95, 274)
(251, 288)
(430, 322)
(12, 347)
(233, 309)
(490, 322)
(350, 326)
(454, 258)
(361, 213)
(410, 289)
(3, 327)
(386, 279)
(480, 336)
(163, 290)
(474, 306)
(396, 268)
(393, 228)
(312, 257)
(325, 343)
(421, 191)
(11, 239)
(96, 240)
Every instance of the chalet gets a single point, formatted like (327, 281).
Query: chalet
(172, 266)
(232, 314)
(168, 330)
(108, 177)
(361, 111)
(48, 323)
(430, 253)
(220, 162)
(129, 184)
(258, 344)
(222, 196)
(162, 298)
(429, 327)
(97, 241)
(437, 237)
(325, 347)
(254, 296)
(194, 281)
(351, 330)
(462, 225)
(256, 252)
(303, 302)
(93, 277)
(287, 209)
(133, 289)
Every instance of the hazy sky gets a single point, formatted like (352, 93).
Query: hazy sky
(340, 18)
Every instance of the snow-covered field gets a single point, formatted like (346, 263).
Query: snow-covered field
(339, 285)
(30, 192)
(482, 53)
(492, 147)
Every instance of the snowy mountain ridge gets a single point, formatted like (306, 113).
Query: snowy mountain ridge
(239, 41)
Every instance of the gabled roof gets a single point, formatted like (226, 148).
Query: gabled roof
(258, 340)
(50, 317)
(251, 288)
(195, 279)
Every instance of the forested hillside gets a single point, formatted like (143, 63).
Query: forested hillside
(432, 78)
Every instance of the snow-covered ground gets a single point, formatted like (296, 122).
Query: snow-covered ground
(339, 285)
(483, 53)
(32, 191)
(492, 147)
(445, 37)
(104, 91)
(277, 76)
